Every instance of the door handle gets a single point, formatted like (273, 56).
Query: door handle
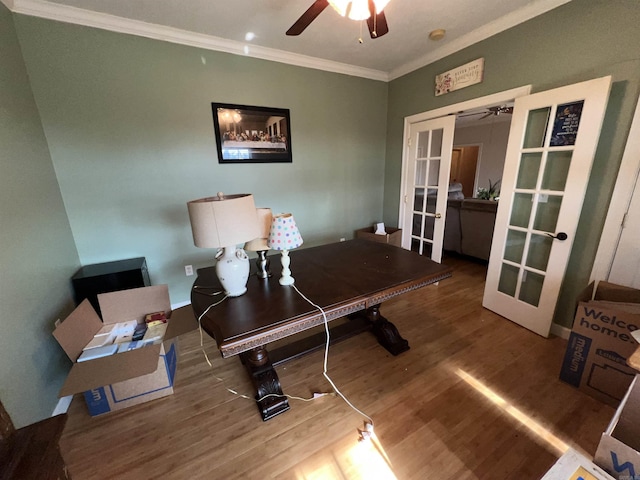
(438, 215)
(560, 236)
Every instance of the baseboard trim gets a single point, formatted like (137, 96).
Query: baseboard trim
(560, 331)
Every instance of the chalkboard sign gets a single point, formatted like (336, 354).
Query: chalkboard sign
(565, 126)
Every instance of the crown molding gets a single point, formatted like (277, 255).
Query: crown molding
(499, 25)
(78, 16)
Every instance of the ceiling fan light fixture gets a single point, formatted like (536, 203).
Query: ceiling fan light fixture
(356, 9)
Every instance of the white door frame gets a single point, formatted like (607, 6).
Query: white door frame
(620, 199)
(500, 97)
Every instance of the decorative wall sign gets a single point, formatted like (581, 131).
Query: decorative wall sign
(251, 134)
(461, 77)
(565, 126)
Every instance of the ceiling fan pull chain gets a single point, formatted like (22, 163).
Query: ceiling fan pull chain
(360, 40)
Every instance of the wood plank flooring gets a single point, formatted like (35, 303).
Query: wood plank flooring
(476, 397)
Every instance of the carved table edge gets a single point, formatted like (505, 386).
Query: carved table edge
(296, 326)
(231, 349)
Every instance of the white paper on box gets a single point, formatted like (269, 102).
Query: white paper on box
(98, 352)
(99, 341)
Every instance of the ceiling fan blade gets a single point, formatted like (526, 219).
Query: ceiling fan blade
(377, 23)
(307, 17)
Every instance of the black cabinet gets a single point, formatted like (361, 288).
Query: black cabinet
(91, 280)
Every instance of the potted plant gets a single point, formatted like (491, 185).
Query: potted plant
(490, 193)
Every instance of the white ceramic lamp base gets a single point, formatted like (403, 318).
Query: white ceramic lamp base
(233, 271)
(286, 278)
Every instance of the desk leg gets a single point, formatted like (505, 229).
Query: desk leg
(386, 332)
(265, 380)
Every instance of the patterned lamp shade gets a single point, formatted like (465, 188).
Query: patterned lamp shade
(284, 234)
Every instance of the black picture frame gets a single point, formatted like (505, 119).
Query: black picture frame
(249, 134)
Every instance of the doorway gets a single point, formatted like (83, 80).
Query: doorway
(478, 124)
(464, 164)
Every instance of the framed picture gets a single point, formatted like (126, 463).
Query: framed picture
(247, 134)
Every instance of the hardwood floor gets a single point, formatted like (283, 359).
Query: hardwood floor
(476, 397)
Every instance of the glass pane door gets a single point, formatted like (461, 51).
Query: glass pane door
(425, 190)
(545, 159)
(431, 144)
(552, 142)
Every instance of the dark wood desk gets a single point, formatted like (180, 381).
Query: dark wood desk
(346, 279)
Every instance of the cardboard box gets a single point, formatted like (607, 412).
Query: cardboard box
(128, 378)
(619, 449)
(393, 235)
(600, 342)
(575, 466)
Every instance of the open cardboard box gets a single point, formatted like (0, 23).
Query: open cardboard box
(619, 449)
(392, 236)
(601, 342)
(127, 378)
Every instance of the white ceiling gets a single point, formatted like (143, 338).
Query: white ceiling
(329, 43)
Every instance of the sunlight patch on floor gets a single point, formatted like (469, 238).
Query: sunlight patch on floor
(363, 461)
(559, 447)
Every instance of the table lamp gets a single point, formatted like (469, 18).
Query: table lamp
(224, 222)
(284, 236)
(260, 244)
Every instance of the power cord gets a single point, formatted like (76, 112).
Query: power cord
(230, 390)
(369, 423)
(365, 434)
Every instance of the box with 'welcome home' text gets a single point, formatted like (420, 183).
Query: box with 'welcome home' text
(131, 377)
(600, 342)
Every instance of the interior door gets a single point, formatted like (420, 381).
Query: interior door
(427, 185)
(550, 151)
(625, 269)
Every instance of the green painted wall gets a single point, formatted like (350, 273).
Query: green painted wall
(581, 40)
(124, 125)
(38, 255)
(129, 126)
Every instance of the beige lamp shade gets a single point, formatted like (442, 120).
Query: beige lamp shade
(264, 222)
(223, 221)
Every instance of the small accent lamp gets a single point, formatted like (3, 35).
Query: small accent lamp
(224, 222)
(284, 236)
(260, 245)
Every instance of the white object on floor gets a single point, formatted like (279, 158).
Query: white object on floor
(573, 465)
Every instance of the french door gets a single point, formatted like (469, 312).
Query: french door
(550, 151)
(426, 187)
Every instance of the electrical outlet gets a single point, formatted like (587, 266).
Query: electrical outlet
(343, 239)
(188, 270)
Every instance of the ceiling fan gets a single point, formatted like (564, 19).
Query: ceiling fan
(490, 111)
(369, 10)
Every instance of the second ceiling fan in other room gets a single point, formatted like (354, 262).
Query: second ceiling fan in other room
(369, 10)
(490, 111)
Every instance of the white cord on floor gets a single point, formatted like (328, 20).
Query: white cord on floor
(325, 363)
(230, 390)
(326, 357)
